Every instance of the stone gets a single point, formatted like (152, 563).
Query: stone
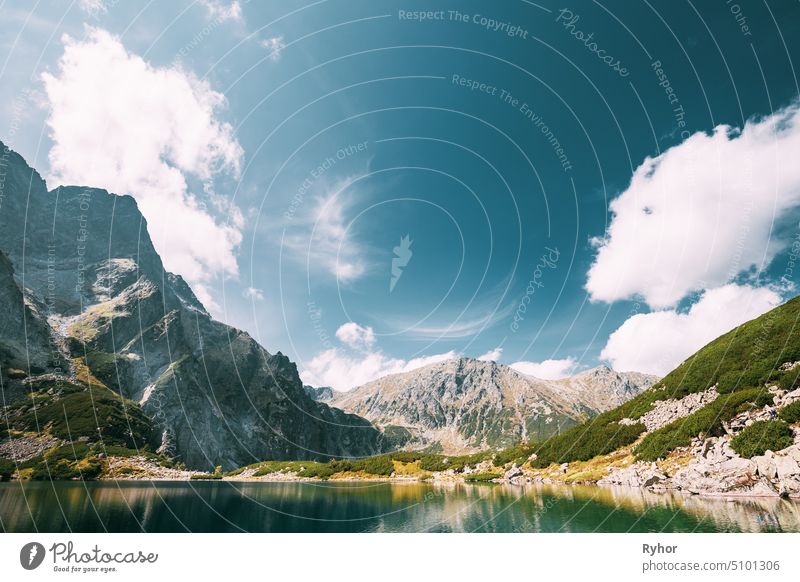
(738, 466)
(765, 466)
(513, 472)
(786, 467)
(763, 488)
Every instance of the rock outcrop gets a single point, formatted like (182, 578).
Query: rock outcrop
(95, 286)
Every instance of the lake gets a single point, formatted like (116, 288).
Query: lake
(131, 506)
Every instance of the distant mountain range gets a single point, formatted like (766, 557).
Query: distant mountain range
(465, 405)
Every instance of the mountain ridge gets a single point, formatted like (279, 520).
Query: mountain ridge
(465, 405)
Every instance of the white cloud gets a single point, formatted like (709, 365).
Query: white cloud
(655, 343)
(275, 47)
(344, 372)
(700, 213)
(93, 7)
(546, 370)
(456, 325)
(254, 293)
(492, 355)
(221, 11)
(319, 236)
(356, 336)
(119, 123)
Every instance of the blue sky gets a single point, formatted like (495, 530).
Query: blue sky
(556, 168)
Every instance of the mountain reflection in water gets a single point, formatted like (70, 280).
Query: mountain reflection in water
(130, 506)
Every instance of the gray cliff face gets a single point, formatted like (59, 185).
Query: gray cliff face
(466, 405)
(213, 394)
(320, 394)
(25, 340)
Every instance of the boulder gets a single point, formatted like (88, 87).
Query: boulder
(738, 465)
(765, 466)
(794, 453)
(513, 472)
(786, 467)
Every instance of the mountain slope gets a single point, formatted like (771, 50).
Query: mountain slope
(213, 395)
(466, 405)
(724, 422)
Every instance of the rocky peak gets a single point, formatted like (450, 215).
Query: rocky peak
(466, 404)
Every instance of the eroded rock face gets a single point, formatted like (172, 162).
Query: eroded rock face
(25, 340)
(215, 397)
(665, 411)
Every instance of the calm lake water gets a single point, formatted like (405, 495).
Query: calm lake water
(374, 507)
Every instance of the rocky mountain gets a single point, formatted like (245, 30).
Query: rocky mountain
(320, 394)
(85, 300)
(464, 405)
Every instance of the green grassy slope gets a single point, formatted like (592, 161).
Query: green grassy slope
(740, 363)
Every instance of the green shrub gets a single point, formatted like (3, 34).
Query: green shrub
(317, 470)
(518, 454)
(380, 465)
(764, 399)
(433, 463)
(480, 477)
(762, 436)
(206, 476)
(7, 468)
(791, 413)
(586, 441)
(70, 461)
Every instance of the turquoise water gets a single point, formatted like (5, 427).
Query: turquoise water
(373, 507)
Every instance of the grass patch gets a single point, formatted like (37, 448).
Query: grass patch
(69, 411)
(599, 436)
(762, 436)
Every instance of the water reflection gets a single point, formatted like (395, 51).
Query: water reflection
(395, 507)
